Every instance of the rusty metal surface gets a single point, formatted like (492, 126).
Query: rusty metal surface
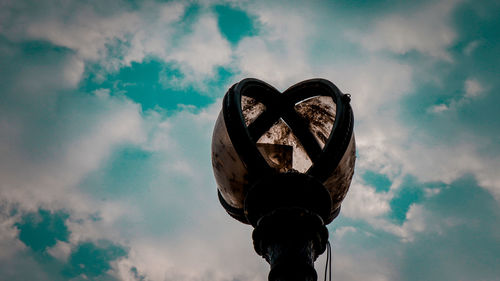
(339, 181)
(229, 171)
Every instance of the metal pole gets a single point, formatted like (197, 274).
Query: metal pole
(290, 239)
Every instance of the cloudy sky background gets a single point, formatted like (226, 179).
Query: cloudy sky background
(107, 110)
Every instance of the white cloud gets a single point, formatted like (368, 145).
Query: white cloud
(58, 137)
(446, 163)
(153, 36)
(438, 108)
(86, 32)
(427, 30)
(122, 125)
(202, 50)
(200, 252)
(31, 82)
(364, 202)
(73, 72)
(278, 56)
(60, 251)
(416, 221)
(339, 233)
(9, 245)
(471, 47)
(119, 37)
(472, 88)
(359, 266)
(53, 178)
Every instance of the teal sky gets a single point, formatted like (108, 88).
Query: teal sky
(107, 110)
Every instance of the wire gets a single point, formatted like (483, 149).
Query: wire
(328, 263)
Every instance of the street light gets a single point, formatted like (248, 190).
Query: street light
(283, 162)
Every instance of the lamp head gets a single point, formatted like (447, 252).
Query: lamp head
(294, 148)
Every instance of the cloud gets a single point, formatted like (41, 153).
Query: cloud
(425, 29)
(51, 176)
(439, 108)
(67, 149)
(435, 241)
(201, 51)
(120, 36)
(472, 90)
(279, 55)
(74, 25)
(51, 138)
(192, 256)
(60, 251)
(339, 233)
(16, 262)
(471, 47)
(449, 232)
(363, 202)
(80, 135)
(378, 84)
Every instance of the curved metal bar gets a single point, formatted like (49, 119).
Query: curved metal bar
(282, 106)
(342, 128)
(238, 133)
(301, 130)
(265, 121)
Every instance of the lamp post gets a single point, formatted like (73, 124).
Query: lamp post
(283, 163)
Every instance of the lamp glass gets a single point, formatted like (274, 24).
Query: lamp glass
(319, 111)
(251, 109)
(281, 136)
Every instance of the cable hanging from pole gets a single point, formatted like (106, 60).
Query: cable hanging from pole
(328, 263)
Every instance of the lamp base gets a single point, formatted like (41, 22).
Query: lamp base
(290, 239)
(284, 191)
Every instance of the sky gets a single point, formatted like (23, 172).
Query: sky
(107, 110)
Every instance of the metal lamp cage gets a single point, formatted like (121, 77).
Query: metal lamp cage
(240, 161)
